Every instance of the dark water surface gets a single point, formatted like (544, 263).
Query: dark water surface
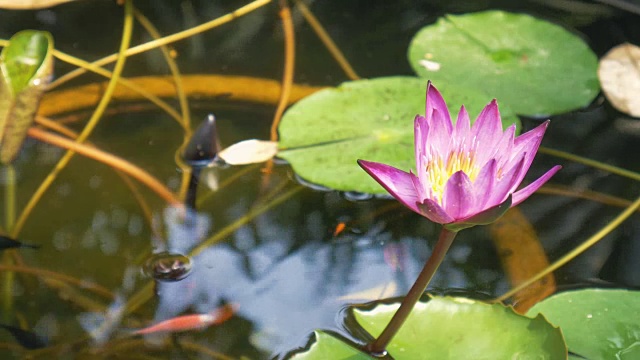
(285, 270)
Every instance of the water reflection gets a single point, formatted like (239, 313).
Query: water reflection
(287, 293)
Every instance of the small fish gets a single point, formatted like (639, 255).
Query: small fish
(190, 322)
(339, 228)
(8, 243)
(27, 339)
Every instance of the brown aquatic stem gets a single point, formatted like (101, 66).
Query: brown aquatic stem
(289, 66)
(111, 160)
(439, 251)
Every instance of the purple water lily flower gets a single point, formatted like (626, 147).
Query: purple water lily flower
(466, 175)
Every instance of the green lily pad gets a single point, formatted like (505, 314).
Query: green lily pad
(458, 328)
(327, 346)
(597, 323)
(447, 328)
(324, 134)
(26, 65)
(535, 67)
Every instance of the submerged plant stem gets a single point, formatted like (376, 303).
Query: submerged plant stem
(577, 251)
(167, 39)
(326, 40)
(9, 196)
(111, 160)
(122, 81)
(48, 274)
(182, 98)
(439, 251)
(590, 162)
(91, 124)
(9, 222)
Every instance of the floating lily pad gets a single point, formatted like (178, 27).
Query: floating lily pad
(324, 134)
(326, 346)
(458, 328)
(597, 323)
(25, 70)
(446, 328)
(535, 67)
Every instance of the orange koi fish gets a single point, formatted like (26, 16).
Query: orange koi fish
(190, 322)
(339, 228)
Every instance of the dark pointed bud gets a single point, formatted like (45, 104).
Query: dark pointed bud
(203, 146)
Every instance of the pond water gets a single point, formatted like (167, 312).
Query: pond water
(291, 267)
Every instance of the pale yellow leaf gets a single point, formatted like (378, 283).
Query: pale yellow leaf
(619, 74)
(249, 152)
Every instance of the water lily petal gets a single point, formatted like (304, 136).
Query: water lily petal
(462, 130)
(506, 184)
(434, 212)
(440, 134)
(482, 218)
(522, 194)
(420, 135)
(458, 197)
(484, 183)
(397, 182)
(422, 187)
(488, 128)
(529, 143)
(503, 148)
(436, 102)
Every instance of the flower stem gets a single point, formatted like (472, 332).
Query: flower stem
(414, 294)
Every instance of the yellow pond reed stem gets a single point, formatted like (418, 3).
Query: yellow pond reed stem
(122, 81)
(43, 273)
(91, 124)
(322, 34)
(173, 68)
(168, 39)
(182, 98)
(590, 162)
(577, 251)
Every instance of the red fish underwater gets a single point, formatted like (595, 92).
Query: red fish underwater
(191, 322)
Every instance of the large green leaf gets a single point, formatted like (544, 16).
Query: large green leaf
(533, 66)
(447, 328)
(25, 70)
(324, 134)
(597, 323)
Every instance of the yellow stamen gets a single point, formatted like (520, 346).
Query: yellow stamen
(439, 171)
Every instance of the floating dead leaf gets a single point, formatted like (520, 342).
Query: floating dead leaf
(249, 152)
(522, 257)
(619, 74)
(25, 70)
